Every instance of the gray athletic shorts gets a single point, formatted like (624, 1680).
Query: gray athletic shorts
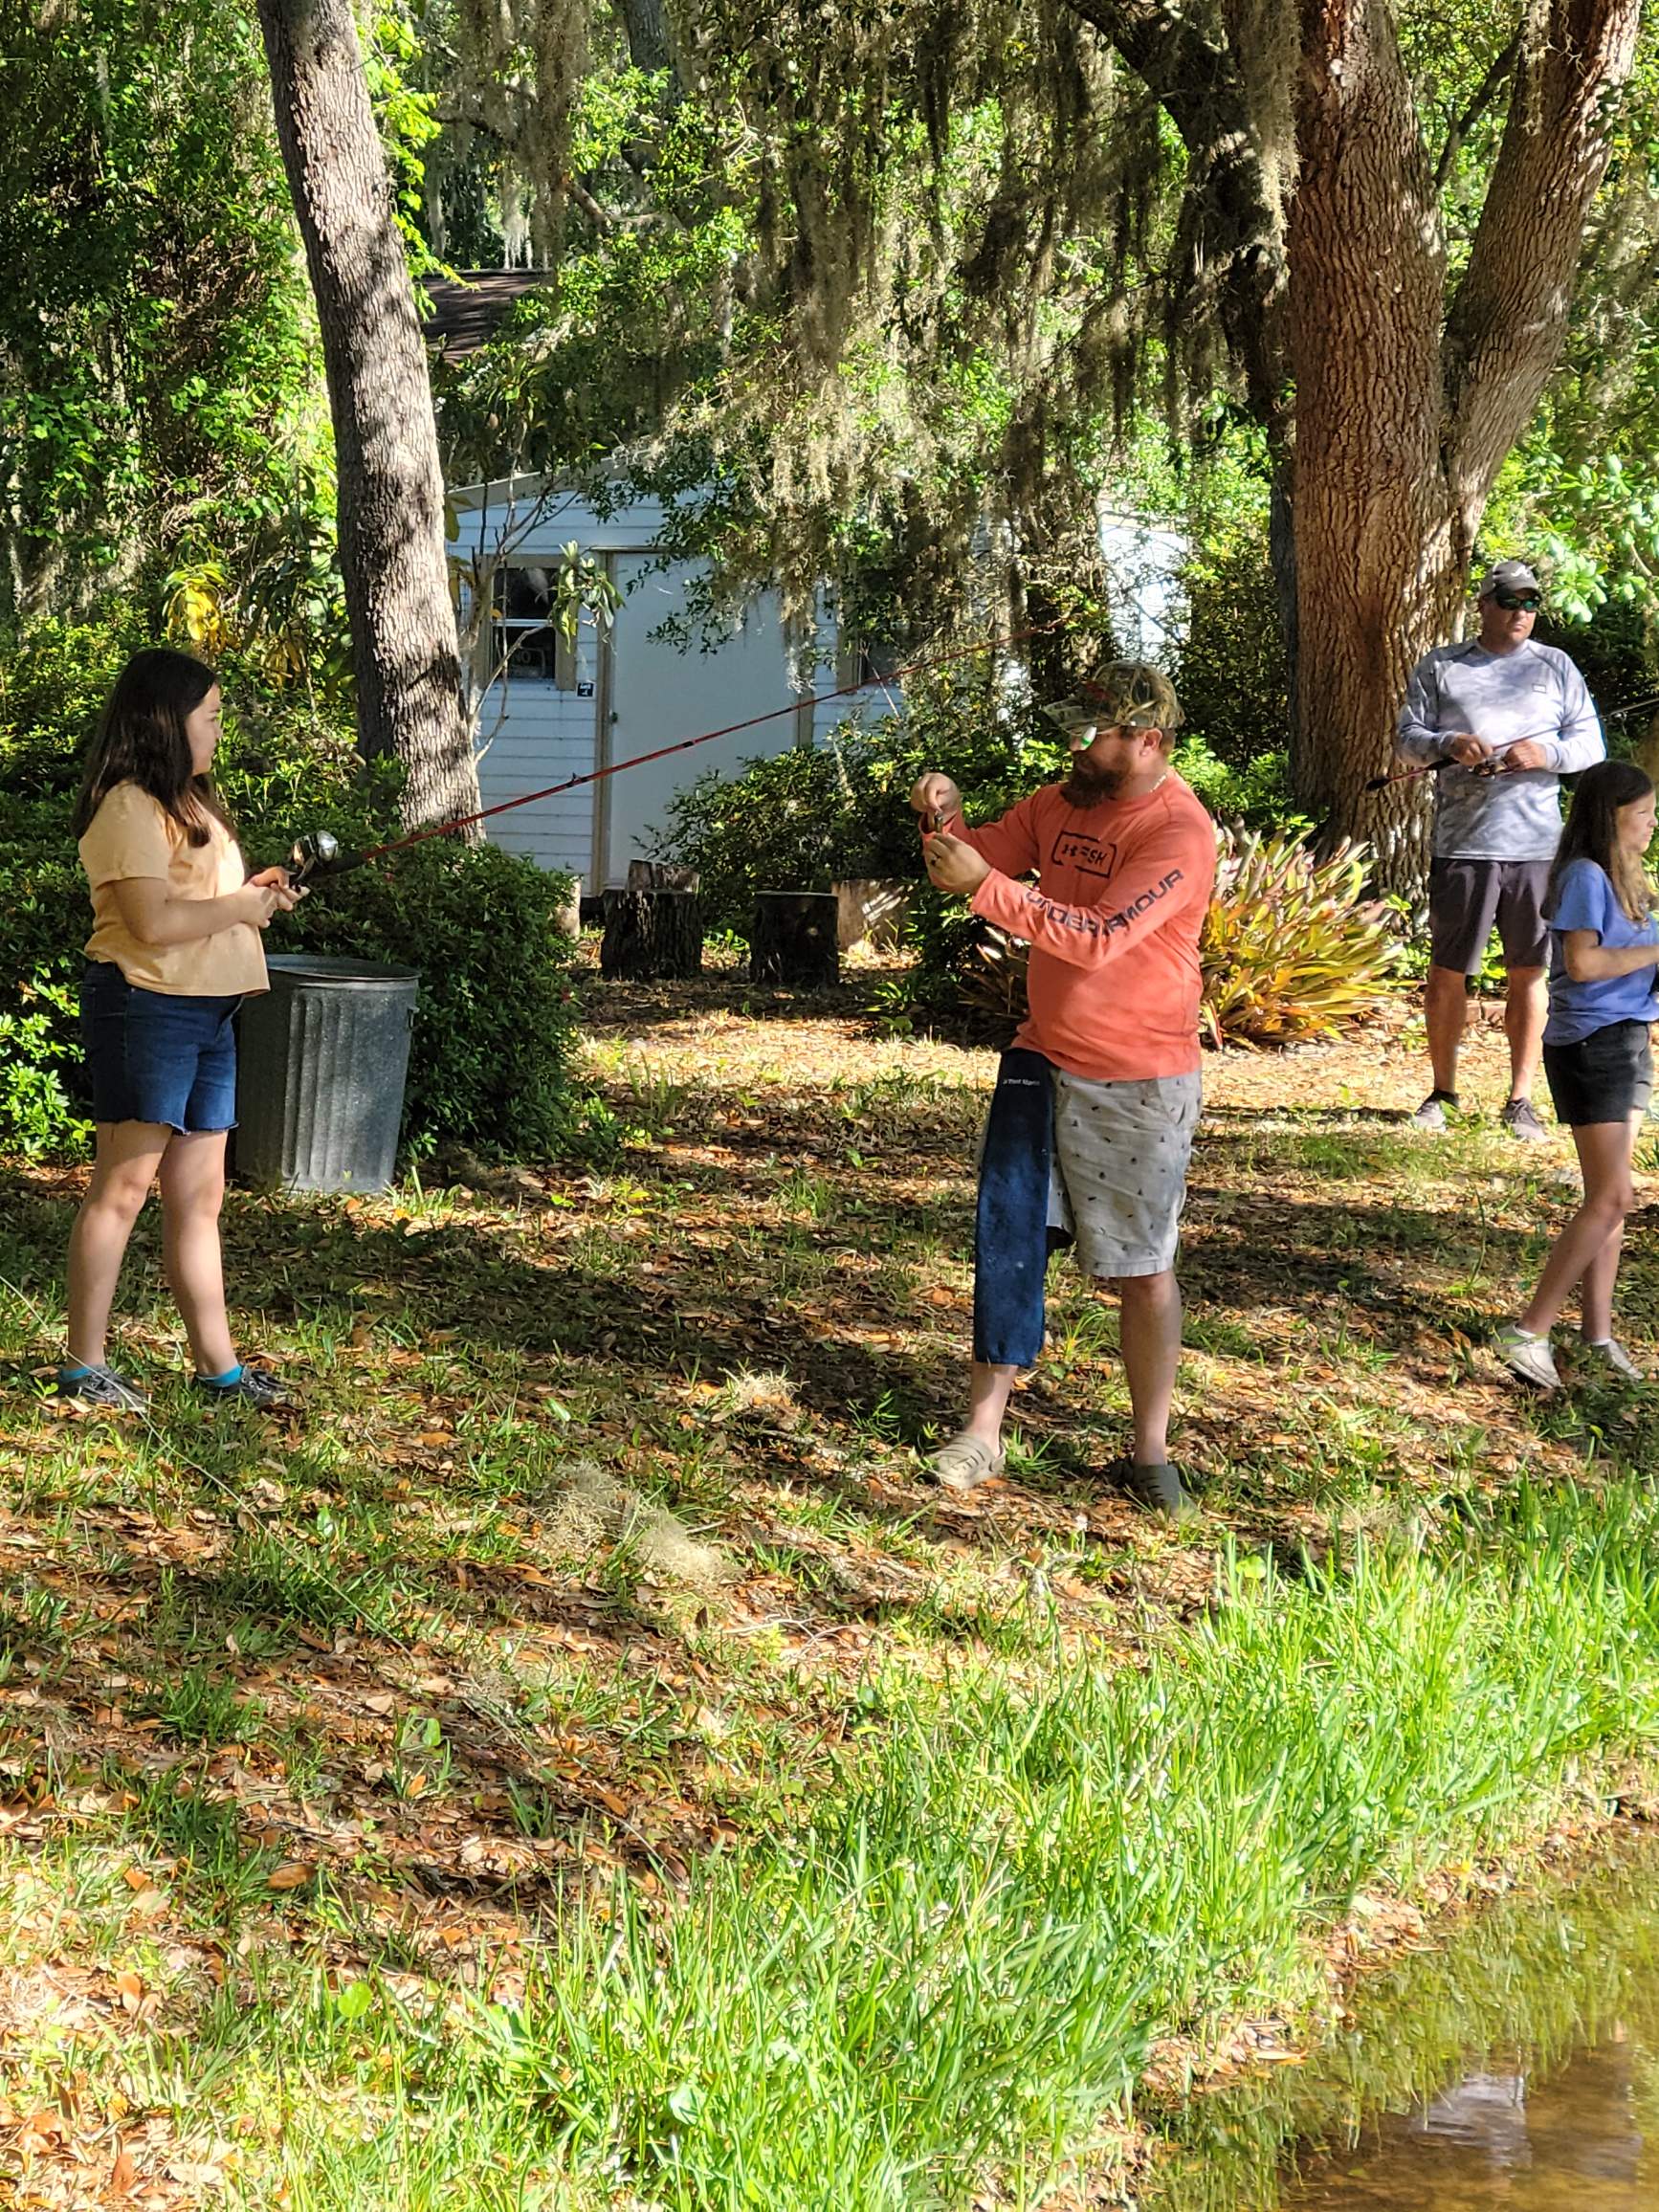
(1118, 1185)
(1466, 897)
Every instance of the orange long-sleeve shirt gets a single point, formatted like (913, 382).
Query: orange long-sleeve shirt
(1113, 921)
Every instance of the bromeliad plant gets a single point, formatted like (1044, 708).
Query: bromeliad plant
(1292, 949)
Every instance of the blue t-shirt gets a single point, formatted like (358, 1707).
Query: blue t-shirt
(1585, 899)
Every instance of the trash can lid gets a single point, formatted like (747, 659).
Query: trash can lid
(327, 967)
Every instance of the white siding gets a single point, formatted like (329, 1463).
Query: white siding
(538, 734)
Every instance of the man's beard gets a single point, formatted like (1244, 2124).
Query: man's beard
(1087, 785)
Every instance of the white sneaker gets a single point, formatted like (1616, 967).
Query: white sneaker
(1527, 1356)
(1613, 1356)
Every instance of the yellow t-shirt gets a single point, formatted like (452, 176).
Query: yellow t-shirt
(132, 836)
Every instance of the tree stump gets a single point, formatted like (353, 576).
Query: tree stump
(661, 875)
(794, 940)
(652, 935)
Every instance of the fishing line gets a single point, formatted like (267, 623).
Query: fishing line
(319, 856)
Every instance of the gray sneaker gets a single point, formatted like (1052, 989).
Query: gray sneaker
(1157, 1489)
(1614, 1358)
(1520, 1120)
(99, 1386)
(1431, 1113)
(1527, 1356)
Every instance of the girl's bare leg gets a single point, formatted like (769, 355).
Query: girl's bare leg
(192, 1193)
(128, 1155)
(1603, 1150)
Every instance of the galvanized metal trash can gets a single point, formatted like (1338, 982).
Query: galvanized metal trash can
(320, 1065)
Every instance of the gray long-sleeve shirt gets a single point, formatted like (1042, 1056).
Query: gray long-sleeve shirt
(1533, 692)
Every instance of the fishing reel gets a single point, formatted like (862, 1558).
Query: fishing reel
(317, 853)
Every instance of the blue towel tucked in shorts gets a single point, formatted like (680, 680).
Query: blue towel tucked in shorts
(1012, 1239)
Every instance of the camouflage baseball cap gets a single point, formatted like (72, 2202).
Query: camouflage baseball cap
(1118, 694)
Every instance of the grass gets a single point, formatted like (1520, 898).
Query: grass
(580, 1764)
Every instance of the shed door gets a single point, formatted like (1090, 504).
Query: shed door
(662, 694)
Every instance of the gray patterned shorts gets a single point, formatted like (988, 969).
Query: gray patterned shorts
(1118, 1183)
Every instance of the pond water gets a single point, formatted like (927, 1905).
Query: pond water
(1516, 2069)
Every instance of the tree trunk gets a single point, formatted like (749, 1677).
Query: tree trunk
(1375, 579)
(1402, 423)
(391, 483)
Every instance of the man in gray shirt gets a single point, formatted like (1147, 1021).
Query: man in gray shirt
(1512, 717)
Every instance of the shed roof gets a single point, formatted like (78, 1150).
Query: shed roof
(467, 311)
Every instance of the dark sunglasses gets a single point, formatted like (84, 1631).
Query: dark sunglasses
(1524, 602)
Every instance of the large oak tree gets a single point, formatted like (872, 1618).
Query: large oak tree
(391, 493)
(1390, 392)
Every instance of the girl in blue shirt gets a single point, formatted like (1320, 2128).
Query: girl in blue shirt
(1598, 1055)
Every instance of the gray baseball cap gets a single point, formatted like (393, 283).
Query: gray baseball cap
(1508, 576)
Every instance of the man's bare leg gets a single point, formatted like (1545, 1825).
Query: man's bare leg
(1525, 1009)
(1149, 1330)
(988, 1395)
(1445, 1010)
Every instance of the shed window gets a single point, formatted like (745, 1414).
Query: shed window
(526, 642)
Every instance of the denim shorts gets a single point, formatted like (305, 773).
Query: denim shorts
(154, 1056)
(1605, 1077)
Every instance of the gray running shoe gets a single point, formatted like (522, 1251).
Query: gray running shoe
(1431, 1113)
(99, 1386)
(1158, 1488)
(1520, 1120)
(1613, 1356)
(1527, 1356)
(255, 1386)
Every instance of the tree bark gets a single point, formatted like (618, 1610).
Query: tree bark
(1404, 412)
(794, 940)
(391, 481)
(1374, 578)
(649, 935)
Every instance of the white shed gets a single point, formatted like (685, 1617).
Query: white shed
(562, 710)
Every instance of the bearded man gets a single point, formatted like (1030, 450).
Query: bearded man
(1092, 1124)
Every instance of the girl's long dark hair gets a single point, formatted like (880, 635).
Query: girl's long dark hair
(140, 739)
(1592, 833)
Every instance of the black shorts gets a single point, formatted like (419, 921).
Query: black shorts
(1605, 1077)
(1466, 897)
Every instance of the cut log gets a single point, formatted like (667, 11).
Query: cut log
(652, 935)
(794, 940)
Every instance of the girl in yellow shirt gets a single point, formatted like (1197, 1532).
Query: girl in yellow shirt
(174, 950)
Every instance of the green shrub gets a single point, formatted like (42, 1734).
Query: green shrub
(36, 1113)
(821, 814)
(1232, 675)
(1256, 796)
(488, 1065)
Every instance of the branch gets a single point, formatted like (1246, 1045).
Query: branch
(1232, 234)
(1506, 325)
(1458, 130)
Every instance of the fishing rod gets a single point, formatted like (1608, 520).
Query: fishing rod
(1492, 766)
(317, 856)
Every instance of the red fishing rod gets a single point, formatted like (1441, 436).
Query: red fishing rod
(317, 856)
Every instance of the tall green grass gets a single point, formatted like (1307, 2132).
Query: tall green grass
(964, 1959)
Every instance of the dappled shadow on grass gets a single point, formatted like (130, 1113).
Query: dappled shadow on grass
(754, 1313)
